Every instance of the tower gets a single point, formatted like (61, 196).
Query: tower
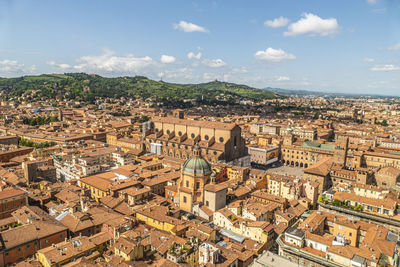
(178, 113)
(340, 154)
(288, 139)
(60, 115)
(195, 174)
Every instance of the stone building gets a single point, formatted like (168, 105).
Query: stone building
(175, 137)
(387, 177)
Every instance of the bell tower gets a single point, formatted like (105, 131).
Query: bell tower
(340, 154)
(60, 115)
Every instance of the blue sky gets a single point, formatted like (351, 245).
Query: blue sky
(331, 45)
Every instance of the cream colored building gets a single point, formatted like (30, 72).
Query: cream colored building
(259, 231)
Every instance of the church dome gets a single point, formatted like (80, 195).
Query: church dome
(196, 165)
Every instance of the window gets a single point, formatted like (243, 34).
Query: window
(180, 133)
(192, 135)
(168, 131)
(197, 185)
(184, 199)
(221, 139)
(206, 137)
(156, 130)
(207, 203)
(187, 183)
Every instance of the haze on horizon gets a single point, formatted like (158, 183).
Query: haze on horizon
(331, 46)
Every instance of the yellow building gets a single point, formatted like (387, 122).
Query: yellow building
(108, 183)
(127, 144)
(347, 229)
(195, 175)
(158, 218)
(273, 185)
(130, 250)
(99, 187)
(69, 250)
(237, 173)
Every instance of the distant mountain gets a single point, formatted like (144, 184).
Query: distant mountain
(87, 87)
(294, 92)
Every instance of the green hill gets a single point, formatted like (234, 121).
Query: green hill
(87, 87)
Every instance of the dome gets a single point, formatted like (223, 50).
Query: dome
(196, 165)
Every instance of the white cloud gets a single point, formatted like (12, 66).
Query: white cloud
(214, 63)
(314, 25)
(282, 79)
(239, 70)
(371, 2)
(13, 67)
(178, 74)
(388, 67)
(369, 59)
(109, 63)
(273, 55)
(189, 27)
(167, 59)
(192, 55)
(62, 66)
(276, 23)
(394, 47)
